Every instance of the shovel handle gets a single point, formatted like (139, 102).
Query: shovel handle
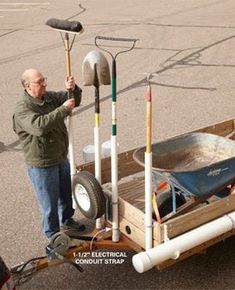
(68, 58)
(68, 61)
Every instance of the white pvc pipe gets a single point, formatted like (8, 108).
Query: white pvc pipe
(97, 165)
(71, 155)
(172, 249)
(114, 178)
(148, 201)
(71, 147)
(97, 154)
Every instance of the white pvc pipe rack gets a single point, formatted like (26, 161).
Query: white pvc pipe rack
(97, 164)
(172, 249)
(148, 201)
(71, 147)
(114, 177)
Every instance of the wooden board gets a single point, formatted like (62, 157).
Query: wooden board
(126, 166)
(135, 233)
(131, 214)
(222, 129)
(199, 216)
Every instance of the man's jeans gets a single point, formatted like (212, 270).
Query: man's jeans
(53, 190)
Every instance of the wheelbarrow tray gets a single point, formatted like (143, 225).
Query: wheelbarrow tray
(199, 163)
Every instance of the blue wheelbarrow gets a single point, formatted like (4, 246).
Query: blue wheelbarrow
(195, 165)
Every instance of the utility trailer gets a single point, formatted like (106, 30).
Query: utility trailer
(201, 210)
(214, 212)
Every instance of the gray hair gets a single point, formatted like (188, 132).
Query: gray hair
(25, 79)
(27, 76)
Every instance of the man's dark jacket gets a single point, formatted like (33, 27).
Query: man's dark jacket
(41, 128)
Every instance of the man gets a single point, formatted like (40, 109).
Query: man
(39, 122)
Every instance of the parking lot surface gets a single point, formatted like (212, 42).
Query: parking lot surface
(189, 44)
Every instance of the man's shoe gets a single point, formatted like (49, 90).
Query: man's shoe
(71, 224)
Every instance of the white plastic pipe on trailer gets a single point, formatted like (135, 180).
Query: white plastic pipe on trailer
(114, 178)
(172, 249)
(97, 163)
(148, 201)
(97, 154)
(71, 147)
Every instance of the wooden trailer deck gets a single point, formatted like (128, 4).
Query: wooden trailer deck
(131, 201)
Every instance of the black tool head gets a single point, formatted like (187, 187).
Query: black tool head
(65, 25)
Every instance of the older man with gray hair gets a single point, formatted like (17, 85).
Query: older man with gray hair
(39, 122)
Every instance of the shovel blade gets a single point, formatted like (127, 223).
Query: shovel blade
(95, 69)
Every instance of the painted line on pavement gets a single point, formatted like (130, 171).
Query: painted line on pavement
(28, 3)
(13, 10)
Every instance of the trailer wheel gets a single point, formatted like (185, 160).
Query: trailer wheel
(164, 202)
(88, 195)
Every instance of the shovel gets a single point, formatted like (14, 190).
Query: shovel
(95, 71)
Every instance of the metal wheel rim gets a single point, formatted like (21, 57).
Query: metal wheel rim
(82, 197)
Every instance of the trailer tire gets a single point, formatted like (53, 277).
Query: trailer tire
(88, 195)
(164, 202)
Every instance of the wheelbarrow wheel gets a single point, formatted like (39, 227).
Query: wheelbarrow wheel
(88, 195)
(164, 202)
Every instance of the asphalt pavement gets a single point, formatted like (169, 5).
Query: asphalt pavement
(189, 44)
